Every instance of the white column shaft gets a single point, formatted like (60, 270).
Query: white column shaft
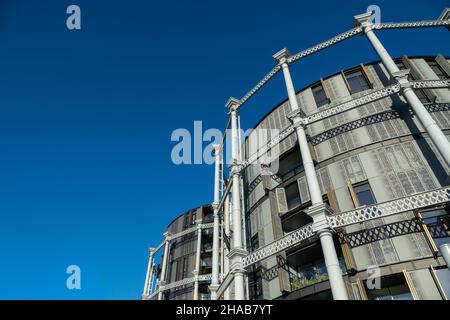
(333, 268)
(197, 262)
(148, 276)
(431, 127)
(237, 220)
(164, 266)
(445, 251)
(308, 164)
(329, 251)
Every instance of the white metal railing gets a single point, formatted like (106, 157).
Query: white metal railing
(379, 210)
(287, 241)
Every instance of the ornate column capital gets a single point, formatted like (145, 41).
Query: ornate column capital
(401, 77)
(282, 56)
(232, 104)
(297, 118)
(319, 214)
(167, 235)
(363, 20)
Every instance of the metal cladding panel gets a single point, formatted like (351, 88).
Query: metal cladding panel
(307, 101)
(266, 214)
(337, 88)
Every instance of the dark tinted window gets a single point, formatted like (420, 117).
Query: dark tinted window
(357, 81)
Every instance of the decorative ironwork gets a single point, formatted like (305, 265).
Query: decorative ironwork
(287, 241)
(386, 231)
(259, 85)
(339, 38)
(413, 24)
(368, 98)
(379, 117)
(429, 84)
(434, 107)
(190, 230)
(379, 210)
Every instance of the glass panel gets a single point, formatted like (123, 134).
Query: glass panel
(437, 69)
(292, 195)
(364, 194)
(319, 96)
(424, 285)
(357, 81)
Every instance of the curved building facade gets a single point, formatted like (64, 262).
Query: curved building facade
(375, 153)
(186, 260)
(372, 161)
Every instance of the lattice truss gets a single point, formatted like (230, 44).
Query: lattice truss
(414, 24)
(417, 201)
(339, 38)
(379, 117)
(287, 241)
(190, 230)
(430, 84)
(386, 231)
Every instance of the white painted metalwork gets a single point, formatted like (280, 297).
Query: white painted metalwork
(379, 210)
(225, 284)
(430, 84)
(339, 38)
(288, 241)
(413, 24)
(368, 98)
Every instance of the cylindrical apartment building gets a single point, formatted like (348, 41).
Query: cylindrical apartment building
(186, 272)
(375, 153)
(374, 162)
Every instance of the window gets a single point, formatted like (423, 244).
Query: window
(357, 81)
(292, 195)
(255, 277)
(393, 287)
(437, 69)
(364, 194)
(419, 92)
(319, 95)
(290, 164)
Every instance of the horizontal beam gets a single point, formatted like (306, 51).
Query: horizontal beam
(354, 103)
(430, 84)
(288, 241)
(323, 45)
(190, 230)
(412, 24)
(388, 208)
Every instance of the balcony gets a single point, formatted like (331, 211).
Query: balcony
(306, 267)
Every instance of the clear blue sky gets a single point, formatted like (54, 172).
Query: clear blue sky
(86, 117)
